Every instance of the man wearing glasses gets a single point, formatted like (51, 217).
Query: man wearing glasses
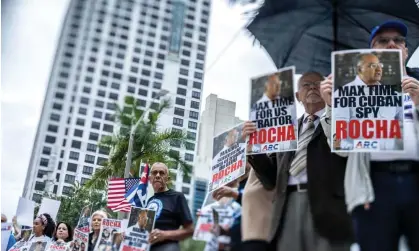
(381, 188)
(369, 72)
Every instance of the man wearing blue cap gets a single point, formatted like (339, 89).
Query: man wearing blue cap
(382, 189)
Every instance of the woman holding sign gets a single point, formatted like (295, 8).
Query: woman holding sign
(96, 223)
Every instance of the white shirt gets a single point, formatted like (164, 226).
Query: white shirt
(291, 110)
(348, 113)
(301, 178)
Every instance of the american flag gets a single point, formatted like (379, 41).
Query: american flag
(116, 193)
(137, 195)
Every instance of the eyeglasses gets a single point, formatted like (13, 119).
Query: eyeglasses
(307, 85)
(375, 65)
(399, 40)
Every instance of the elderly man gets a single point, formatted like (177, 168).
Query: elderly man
(382, 189)
(369, 72)
(172, 212)
(309, 208)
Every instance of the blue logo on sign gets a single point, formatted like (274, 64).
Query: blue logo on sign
(156, 205)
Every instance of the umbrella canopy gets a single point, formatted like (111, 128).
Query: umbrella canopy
(305, 32)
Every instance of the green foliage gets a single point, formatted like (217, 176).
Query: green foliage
(151, 144)
(192, 245)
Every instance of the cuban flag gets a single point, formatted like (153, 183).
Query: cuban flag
(137, 195)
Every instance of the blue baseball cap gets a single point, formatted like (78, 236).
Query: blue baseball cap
(397, 25)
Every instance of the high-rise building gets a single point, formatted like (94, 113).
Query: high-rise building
(218, 116)
(109, 49)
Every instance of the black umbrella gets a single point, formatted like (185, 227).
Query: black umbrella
(305, 32)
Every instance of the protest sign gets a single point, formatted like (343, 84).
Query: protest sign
(58, 246)
(6, 231)
(80, 241)
(205, 224)
(229, 157)
(140, 224)
(21, 246)
(37, 246)
(213, 244)
(25, 212)
(84, 219)
(50, 207)
(110, 232)
(273, 110)
(367, 101)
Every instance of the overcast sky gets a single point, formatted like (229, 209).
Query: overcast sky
(30, 30)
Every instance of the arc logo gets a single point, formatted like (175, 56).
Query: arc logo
(367, 144)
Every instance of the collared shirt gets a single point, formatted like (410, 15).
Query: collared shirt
(411, 146)
(301, 178)
(384, 113)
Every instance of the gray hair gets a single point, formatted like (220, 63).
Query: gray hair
(359, 60)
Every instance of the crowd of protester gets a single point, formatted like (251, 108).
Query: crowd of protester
(333, 201)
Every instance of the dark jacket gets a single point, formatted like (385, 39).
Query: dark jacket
(325, 175)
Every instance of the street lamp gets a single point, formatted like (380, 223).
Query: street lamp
(161, 93)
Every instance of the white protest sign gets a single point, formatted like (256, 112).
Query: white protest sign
(6, 230)
(25, 212)
(50, 207)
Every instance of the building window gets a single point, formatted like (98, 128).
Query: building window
(192, 125)
(84, 181)
(84, 100)
(41, 174)
(54, 117)
(80, 122)
(58, 107)
(185, 190)
(181, 91)
(100, 161)
(52, 128)
(72, 167)
(82, 111)
(46, 150)
(74, 155)
(195, 104)
(44, 162)
(179, 111)
(190, 146)
(178, 121)
(87, 170)
(196, 94)
(199, 66)
(70, 179)
(104, 150)
(198, 75)
(184, 72)
(94, 136)
(142, 92)
(89, 159)
(95, 125)
(78, 133)
(180, 101)
(67, 190)
(188, 157)
(191, 135)
(76, 144)
(197, 85)
(39, 186)
(193, 114)
(107, 128)
(37, 198)
(97, 114)
(91, 147)
(183, 81)
(50, 139)
(113, 96)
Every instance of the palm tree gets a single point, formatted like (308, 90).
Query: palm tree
(150, 144)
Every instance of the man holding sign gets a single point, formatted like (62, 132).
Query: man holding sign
(381, 188)
(308, 206)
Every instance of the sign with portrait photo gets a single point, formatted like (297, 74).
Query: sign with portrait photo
(273, 110)
(110, 232)
(140, 224)
(229, 157)
(84, 220)
(367, 101)
(80, 241)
